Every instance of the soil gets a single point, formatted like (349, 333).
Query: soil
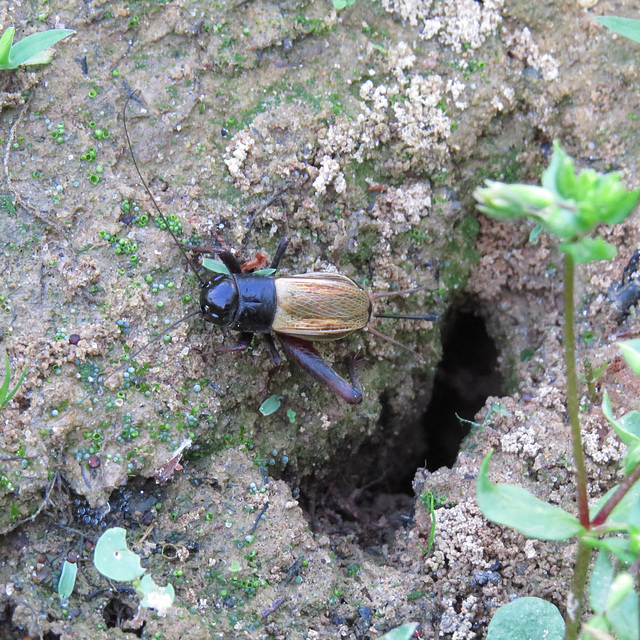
(362, 133)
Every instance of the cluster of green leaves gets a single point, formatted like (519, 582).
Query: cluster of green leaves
(5, 393)
(567, 205)
(571, 206)
(611, 593)
(33, 49)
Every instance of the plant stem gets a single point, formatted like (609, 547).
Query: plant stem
(576, 599)
(618, 494)
(572, 391)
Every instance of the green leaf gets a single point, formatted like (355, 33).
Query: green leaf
(595, 624)
(534, 236)
(5, 46)
(527, 618)
(558, 176)
(270, 405)
(32, 45)
(624, 617)
(5, 383)
(627, 427)
(113, 559)
(621, 587)
(264, 272)
(601, 579)
(515, 507)
(618, 547)
(154, 597)
(619, 518)
(588, 250)
(215, 265)
(404, 632)
(611, 201)
(511, 201)
(5, 394)
(627, 27)
(631, 459)
(67, 579)
(634, 517)
(631, 353)
(43, 57)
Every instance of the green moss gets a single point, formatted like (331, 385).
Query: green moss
(454, 272)
(367, 240)
(313, 26)
(7, 204)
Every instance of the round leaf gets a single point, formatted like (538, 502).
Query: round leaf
(270, 405)
(531, 618)
(112, 558)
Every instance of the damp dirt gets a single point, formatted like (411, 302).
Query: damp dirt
(363, 133)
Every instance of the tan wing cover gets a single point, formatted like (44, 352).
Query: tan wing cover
(320, 306)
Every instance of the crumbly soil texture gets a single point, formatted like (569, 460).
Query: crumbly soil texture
(360, 133)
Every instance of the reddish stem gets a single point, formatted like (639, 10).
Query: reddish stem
(617, 496)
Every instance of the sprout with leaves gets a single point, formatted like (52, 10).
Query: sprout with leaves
(33, 49)
(5, 394)
(571, 206)
(113, 560)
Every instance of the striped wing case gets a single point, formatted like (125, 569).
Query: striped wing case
(320, 306)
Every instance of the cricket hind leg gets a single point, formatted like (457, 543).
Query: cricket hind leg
(306, 356)
(277, 363)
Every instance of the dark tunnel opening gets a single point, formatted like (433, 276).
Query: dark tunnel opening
(372, 495)
(466, 376)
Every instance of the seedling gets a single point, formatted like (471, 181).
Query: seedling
(591, 377)
(571, 206)
(270, 405)
(67, 582)
(428, 500)
(113, 560)
(33, 49)
(5, 394)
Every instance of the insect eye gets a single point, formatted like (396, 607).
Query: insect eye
(219, 300)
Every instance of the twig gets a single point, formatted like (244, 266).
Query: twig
(72, 530)
(272, 607)
(44, 502)
(255, 524)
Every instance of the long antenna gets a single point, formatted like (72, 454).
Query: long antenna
(192, 264)
(399, 316)
(379, 334)
(135, 354)
(138, 352)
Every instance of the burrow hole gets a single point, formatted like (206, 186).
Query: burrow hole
(370, 495)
